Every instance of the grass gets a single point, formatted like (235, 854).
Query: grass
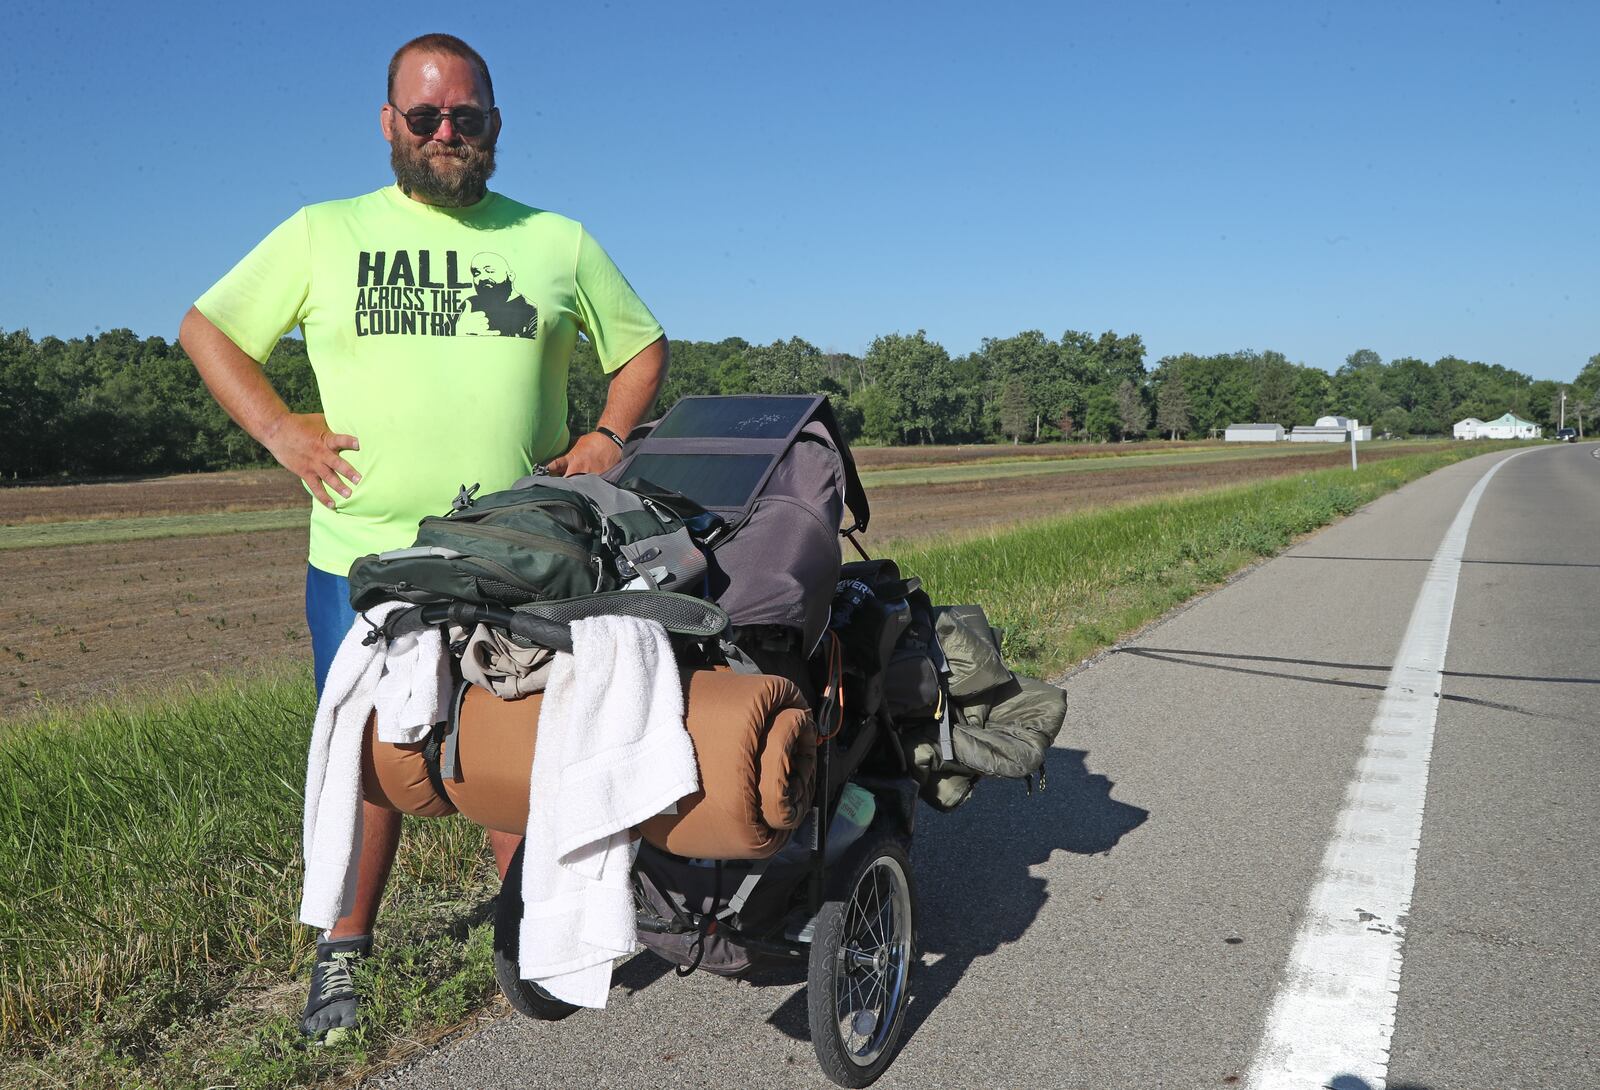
(1067, 587)
(33, 534)
(149, 935)
(150, 852)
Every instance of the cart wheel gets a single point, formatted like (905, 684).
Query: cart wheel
(525, 996)
(861, 954)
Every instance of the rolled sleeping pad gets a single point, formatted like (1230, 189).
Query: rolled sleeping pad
(754, 739)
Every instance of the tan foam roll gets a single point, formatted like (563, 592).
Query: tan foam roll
(396, 777)
(753, 738)
(756, 744)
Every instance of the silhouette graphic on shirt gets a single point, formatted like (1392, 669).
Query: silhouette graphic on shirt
(494, 310)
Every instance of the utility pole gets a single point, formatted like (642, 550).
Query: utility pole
(1353, 430)
(1563, 407)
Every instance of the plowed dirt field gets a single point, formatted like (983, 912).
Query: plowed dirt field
(82, 622)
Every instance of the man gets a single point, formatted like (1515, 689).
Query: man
(494, 311)
(415, 404)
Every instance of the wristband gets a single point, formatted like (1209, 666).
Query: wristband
(611, 435)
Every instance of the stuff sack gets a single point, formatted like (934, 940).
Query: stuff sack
(544, 539)
(937, 674)
(1006, 733)
(778, 472)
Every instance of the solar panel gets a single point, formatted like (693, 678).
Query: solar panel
(711, 480)
(734, 417)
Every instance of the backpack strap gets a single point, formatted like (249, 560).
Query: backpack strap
(855, 496)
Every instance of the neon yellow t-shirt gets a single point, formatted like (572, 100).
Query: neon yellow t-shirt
(440, 338)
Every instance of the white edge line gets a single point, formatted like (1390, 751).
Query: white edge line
(1334, 1013)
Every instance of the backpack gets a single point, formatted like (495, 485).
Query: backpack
(778, 472)
(544, 539)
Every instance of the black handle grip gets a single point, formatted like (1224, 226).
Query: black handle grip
(557, 637)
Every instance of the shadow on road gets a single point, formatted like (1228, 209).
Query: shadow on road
(1356, 1082)
(975, 888)
(1183, 657)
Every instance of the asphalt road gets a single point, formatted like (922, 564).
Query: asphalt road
(1132, 926)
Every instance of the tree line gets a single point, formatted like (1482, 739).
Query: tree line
(115, 403)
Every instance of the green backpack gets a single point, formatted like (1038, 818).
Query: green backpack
(544, 539)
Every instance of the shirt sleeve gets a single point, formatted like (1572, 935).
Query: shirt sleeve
(613, 316)
(264, 296)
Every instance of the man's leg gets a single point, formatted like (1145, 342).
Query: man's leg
(332, 1003)
(380, 839)
(504, 846)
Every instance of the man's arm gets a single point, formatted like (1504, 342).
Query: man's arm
(301, 442)
(632, 392)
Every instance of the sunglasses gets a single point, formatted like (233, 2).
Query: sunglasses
(467, 121)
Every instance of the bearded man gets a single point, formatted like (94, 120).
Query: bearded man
(414, 404)
(495, 311)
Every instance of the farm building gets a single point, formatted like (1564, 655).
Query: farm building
(1362, 434)
(1317, 433)
(1509, 426)
(1254, 433)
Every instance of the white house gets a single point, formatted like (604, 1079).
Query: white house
(1509, 426)
(1254, 433)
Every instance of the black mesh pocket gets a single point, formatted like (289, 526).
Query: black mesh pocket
(495, 590)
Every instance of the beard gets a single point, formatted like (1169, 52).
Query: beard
(450, 176)
(493, 291)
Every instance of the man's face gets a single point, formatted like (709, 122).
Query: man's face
(489, 271)
(444, 168)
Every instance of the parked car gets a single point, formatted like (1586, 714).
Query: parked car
(1567, 435)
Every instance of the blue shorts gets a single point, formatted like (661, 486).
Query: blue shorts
(329, 616)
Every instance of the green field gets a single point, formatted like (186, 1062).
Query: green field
(148, 938)
(33, 534)
(996, 468)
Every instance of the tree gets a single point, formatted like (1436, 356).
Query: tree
(917, 379)
(1131, 412)
(1032, 364)
(1395, 421)
(1586, 391)
(1313, 389)
(1172, 405)
(1115, 358)
(1357, 386)
(794, 366)
(1100, 414)
(878, 424)
(1016, 417)
(1275, 390)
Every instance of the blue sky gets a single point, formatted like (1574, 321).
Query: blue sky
(1414, 178)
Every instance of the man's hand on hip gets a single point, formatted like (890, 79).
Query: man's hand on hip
(592, 453)
(302, 444)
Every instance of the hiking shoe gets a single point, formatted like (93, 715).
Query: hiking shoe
(332, 1002)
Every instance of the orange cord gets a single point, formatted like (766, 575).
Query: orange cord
(834, 689)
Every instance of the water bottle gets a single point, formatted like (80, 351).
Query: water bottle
(856, 807)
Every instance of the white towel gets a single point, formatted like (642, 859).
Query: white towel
(612, 751)
(408, 682)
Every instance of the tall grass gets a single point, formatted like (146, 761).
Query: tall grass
(151, 860)
(150, 854)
